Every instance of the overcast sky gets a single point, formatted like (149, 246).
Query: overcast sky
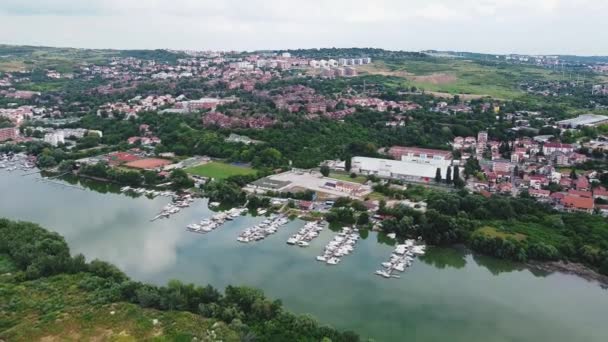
(495, 26)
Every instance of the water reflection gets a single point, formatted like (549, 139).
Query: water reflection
(442, 258)
(469, 297)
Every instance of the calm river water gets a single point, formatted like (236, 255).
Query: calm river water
(448, 295)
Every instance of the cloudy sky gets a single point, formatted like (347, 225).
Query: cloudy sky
(495, 26)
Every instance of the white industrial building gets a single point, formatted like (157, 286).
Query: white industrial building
(400, 169)
(585, 120)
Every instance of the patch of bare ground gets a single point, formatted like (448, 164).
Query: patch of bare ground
(436, 78)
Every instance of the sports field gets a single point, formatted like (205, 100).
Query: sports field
(219, 170)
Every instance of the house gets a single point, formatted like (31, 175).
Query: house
(580, 193)
(540, 194)
(305, 205)
(10, 133)
(579, 204)
(581, 183)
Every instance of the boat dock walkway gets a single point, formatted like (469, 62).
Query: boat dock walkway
(401, 258)
(263, 230)
(341, 245)
(216, 221)
(306, 234)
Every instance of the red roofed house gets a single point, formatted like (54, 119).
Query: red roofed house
(580, 193)
(581, 183)
(575, 203)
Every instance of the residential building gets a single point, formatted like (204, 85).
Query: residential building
(10, 133)
(552, 147)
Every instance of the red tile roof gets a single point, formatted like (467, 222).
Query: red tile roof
(578, 193)
(576, 202)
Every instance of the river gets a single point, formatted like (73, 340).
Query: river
(447, 295)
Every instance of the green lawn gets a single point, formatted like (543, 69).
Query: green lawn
(346, 177)
(219, 170)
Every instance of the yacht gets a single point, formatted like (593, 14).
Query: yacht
(333, 261)
(383, 273)
(303, 244)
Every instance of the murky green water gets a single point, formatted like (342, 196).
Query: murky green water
(448, 295)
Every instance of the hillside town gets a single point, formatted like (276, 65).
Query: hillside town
(540, 156)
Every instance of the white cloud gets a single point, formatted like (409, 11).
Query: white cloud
(480, 25)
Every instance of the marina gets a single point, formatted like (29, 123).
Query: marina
(13, 162)
(216, 221)
(263, 230)
(342, 244)
(401, 258)
(466, 287)
(306, 234)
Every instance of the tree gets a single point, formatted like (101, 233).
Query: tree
(180, 179)
(348, 164)
(573, 174)
(325, 170)
(363, 219)
(438, 175)
(448, 175)
(456, 173)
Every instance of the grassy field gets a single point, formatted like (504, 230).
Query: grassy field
(493, 232)
(219, 170)
(57, 309)
(346, 177)
(458, 76)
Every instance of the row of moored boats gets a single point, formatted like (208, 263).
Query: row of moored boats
(216, 221)
(179, 202)
(13, 162)
(147, 192)
(306, 234)
(342, 244)
(401, 258)
(264, 229)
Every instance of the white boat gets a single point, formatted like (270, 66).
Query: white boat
(262, 211)
(303, 244)
(333, 261)
(383, 273)
(292, 241)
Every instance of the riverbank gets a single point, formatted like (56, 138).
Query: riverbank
(469, 295)
(576, 269)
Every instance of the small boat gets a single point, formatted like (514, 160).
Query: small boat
(321, 258)
(383, 273)
(292, 241)
(333, 261)
(303, 244)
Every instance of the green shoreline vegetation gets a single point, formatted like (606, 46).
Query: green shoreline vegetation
(519, 229)
(45, 292)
